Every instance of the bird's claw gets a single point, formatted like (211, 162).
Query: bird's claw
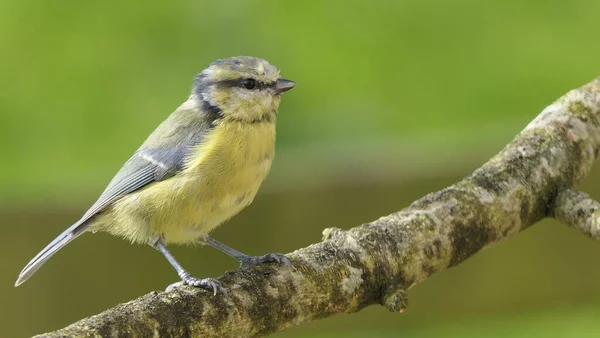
(268, 258)
(209, 284)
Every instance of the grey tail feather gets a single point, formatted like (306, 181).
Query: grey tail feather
(58, 243)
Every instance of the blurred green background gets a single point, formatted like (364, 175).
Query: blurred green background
(395, 99)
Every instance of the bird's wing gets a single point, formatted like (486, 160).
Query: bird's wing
(144, 167)
(160, 157)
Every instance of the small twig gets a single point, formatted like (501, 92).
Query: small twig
(578, 210)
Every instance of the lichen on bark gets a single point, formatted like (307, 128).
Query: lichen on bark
(375, 263)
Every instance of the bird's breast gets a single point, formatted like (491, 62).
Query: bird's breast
(222, 176)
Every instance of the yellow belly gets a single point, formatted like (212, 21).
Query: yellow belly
(220, 179)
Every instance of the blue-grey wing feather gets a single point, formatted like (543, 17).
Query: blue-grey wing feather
(144, 167)
(159, 158)
(136, 173)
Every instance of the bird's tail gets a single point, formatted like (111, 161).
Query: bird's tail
(58, 243)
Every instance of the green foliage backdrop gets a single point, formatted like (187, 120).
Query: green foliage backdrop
(434, 86)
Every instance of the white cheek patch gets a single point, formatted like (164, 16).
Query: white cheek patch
(243, 94)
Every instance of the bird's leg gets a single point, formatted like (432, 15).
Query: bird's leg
(186, 279)
(244, 259)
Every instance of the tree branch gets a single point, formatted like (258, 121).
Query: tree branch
(531, 178)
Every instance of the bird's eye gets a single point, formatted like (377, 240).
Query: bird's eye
(249, 83)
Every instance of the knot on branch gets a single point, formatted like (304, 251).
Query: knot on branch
(395, 298)
(578, 210)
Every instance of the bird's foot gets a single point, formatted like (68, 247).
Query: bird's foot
(209, 284)
(268, 258)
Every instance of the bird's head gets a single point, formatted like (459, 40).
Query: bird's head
(241, 88)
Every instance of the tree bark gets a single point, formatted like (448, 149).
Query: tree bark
(375, 263)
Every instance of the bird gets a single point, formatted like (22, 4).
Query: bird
(197, 169)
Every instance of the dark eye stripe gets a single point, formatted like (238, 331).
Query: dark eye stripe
(240, 83)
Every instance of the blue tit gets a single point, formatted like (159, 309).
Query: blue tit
(200, 167)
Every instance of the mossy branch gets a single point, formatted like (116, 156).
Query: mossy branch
(375, 263)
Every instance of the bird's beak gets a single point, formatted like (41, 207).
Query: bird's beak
(283, 85)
